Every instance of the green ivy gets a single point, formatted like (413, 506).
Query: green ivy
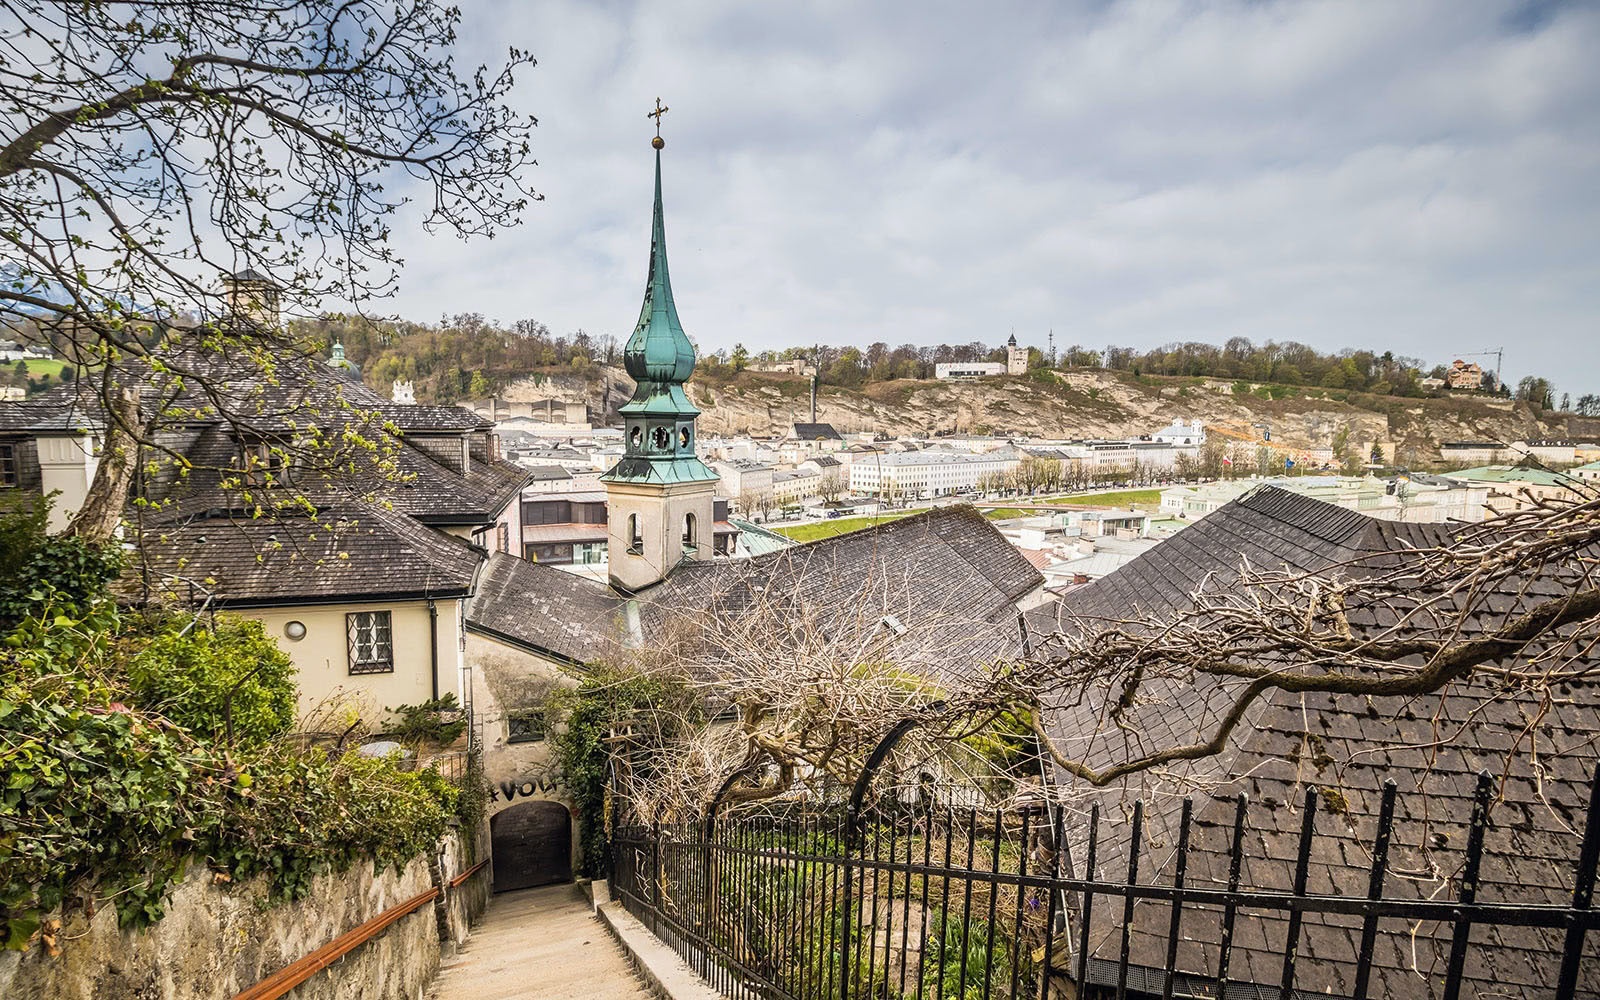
(102, 799)
(115, 772)
(606, 701)
(39, 570)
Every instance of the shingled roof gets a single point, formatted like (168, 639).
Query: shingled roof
(1345, 746)
(192, 503)
(346, 551)
(949, 581)
(547, 610)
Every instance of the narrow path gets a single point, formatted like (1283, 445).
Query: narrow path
(538, 944)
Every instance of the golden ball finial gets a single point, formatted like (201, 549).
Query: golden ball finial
(658, 142)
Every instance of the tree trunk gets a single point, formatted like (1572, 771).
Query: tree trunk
(97, 520)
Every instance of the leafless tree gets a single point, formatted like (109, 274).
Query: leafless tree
(830, 487)
(151, 148)
(1512, 601)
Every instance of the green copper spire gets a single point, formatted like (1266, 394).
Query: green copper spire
(659, 351)
(659, 432)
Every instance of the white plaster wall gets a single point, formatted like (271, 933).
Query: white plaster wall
(322, 658)
(67, 464)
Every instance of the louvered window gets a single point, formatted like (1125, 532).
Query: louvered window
(371, 642)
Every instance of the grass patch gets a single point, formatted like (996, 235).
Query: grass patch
(1122, 498)
(1149, 499)
(812, 531)
(39, 366)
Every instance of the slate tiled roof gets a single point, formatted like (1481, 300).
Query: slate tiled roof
(1432, 745)
(946, 576)
(303, 393)
(815, 432)
(546, 609)
(349, 551)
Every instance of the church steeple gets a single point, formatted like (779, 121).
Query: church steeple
(659, 493)
(659, 353)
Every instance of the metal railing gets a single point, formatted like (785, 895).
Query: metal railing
(903, 902)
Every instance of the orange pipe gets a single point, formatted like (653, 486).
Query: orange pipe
(290, 976)
(468, 873)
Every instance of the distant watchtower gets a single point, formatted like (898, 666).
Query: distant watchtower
(659, 495)
(1016, 357)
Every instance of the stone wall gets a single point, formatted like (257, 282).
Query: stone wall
(218, 939)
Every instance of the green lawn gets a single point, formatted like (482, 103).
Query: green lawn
(1148, 499)
(1124, 498)
(811, 531)
(39, 366)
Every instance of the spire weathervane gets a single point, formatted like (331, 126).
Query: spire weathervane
(660, 110)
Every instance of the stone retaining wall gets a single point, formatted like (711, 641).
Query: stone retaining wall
(218, 939)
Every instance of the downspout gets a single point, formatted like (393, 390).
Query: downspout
(433, 644)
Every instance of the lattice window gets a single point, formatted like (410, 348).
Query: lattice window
(8, 465)
(525, 727)
(371, 642)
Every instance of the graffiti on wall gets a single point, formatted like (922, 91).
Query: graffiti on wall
(527, 786)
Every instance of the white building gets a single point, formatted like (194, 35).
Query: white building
(1417, 500)
(1182, 432)
(914, 474)
(964, 370)
(742, 475)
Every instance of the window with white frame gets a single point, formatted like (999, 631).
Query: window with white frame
(371, 642)
(8, 465)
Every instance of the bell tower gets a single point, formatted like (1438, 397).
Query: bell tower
(659, 495)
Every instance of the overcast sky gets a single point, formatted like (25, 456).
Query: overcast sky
(1422, 177)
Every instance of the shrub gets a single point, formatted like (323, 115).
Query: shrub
(220, 679)
(137, 797)
(40, 570)
(439, 720)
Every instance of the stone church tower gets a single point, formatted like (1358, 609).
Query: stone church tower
(659, 495)
(1016, 357)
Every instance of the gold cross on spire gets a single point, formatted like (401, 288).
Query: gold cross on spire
(660, 110)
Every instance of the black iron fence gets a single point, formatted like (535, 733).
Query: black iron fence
(900, 902)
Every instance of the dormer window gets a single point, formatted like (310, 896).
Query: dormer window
(259, 463)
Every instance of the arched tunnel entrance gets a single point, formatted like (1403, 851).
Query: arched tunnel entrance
(532, 845)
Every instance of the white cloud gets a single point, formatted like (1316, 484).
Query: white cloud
(1418, 176)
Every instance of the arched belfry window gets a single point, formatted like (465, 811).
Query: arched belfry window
(690, 534)
(635, 536)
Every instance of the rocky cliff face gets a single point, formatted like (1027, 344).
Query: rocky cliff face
(1074, 404)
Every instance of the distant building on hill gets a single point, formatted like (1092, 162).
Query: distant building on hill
(1016, 357)
(961, 371)
(1464, 375)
